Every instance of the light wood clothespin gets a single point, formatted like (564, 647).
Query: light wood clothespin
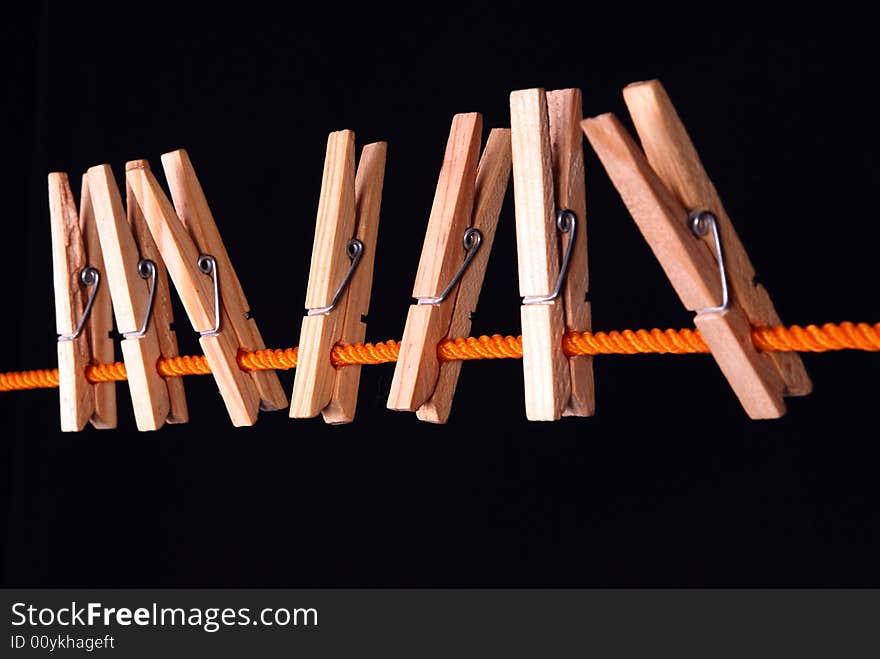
(680, 214)
(340, 278)
(206, 282)
(84, 324)
(192, 209)
(133, 280)
(551, 240)
(464, 217)
(163, 316)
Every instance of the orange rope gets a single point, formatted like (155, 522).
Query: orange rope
(830, 336)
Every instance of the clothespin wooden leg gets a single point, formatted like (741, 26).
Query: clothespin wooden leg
(313, 382)
(76, 394)
(100, 322)
(132, 305)
(197, 293)
(566, 143)
(368, 185)
(163, 316)
(675, 159)
(493, 175)
(417, 368)
(545, 367)
(192, 208)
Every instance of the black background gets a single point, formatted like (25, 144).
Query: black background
(669, 484)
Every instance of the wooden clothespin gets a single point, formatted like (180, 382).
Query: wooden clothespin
(340, 278)
(163, 316)
(133, 278)
(192, 209)
(680, 214)
(458, 241)
(551, 240)
(206, 282)
(84, 323)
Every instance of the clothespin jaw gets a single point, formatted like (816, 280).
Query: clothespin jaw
(195, 276)
(133, 300)
(678, 210)
(83, 323)
(436, 286)
(550, 200)
(340, 278)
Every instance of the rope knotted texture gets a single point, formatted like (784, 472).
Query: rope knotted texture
(830, 336)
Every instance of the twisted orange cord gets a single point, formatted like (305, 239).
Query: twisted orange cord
(830, 336)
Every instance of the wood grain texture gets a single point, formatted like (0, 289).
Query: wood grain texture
(196, 293)
(417, 368)
(368, 186)
(452, 208)
(100, 323)
(564, 107)
(673, 156)
(545, 372)
(335, 222)
(75, 393)
(545, 368)
(163, 315)
(130, 295)
(315, 374)
(193, 210)
(537, 241)
(661, 218)
(493, 176)
(750, 374)
(335, 225)
(689, 265)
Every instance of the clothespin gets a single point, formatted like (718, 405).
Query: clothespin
(206, 282)
(84, 323)
(458, 241)
(340, 278)
(551, 240)
(674, 203)
(163, 316)
(133, 281)
(193, 211)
